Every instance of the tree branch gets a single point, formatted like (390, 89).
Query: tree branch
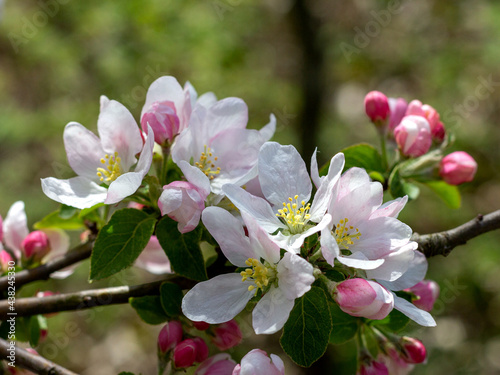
(30, 361)
(442, 243)
(43, 272)
(87, 299)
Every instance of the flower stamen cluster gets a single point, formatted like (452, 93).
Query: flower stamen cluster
(342, 236)
(259, 273)
(295, 216)
(113, 169)
(206, 163)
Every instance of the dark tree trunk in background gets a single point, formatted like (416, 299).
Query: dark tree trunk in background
(312, 82)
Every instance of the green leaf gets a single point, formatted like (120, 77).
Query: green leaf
(334, 275)
(448, 193)
(171, 299)
(36, 324)
(54, 220)
(345, 326)
(183, 250)
(395, 321)
(67, 212)
(399, 187)
(120, 242)
(361, 155)
(149, 309)
(306, 333)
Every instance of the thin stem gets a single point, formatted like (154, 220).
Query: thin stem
(43, 272)
(87, 299)
(383, 148)
(31, 361)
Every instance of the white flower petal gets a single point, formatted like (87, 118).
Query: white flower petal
(195, 176)
(283, 174)
(229, 234)
(262, 244)
(119, 133)
(329, 246)
(268, 130)
(255, 206)
(391, 208)
(77, 192)
(413, 275)
(295, 276)
(352, 179)
(411, 311)
(315, 170)
(326, 188)
(395, 265)
(165, 88)
(228, 113)
(294, 242)
(15, 228)
(271, 313)
(359, 260)
(217, 300)
(83, 149)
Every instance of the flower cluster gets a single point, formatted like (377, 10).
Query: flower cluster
(288, 233)
(417, 130)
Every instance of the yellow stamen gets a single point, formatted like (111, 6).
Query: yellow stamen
(261, 274)
(113, 168)
(206, 164)
(345, 235)
(295, 214)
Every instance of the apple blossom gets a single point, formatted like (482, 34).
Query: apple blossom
(431, 115)
(221, 298)
(366, 228)
(363, 298)
(427, 292)
(168, 108)
(103, 165)
(257, 362)
(219, 364)
(457, 168)
(413, 136)
(287, 188)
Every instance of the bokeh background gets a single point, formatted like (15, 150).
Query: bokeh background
(308, 62)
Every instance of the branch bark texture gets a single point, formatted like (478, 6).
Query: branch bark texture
(32, 362)
(442, 243)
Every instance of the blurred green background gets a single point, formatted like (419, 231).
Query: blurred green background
(308, 62)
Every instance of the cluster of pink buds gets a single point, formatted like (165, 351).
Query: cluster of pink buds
(416, 128)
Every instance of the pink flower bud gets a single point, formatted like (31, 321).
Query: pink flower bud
(431, 115)
(364, 298)
(36, 245)
(227, 335)
(415, 108)
(413, 136)
(219, 364)
(394, 363)
(6, 260)
(201, 326)
(427, 292)
(413, 350)
(183, 202)
(397, 108)
(163, 119)
(373, 368)
(457, 168)
(185, 354)
(170, 335)
(377, 107)
(201, 349)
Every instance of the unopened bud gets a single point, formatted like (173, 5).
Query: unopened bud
(398, 110)
(427, 292)
(201, 326)
(170, 335)
(6, 260)
(457, 168)
(377, 107)
(218, 364)
(227, 335)
(363, 298)
(35, 246)
(189, 351)
(413, 136)
(163, 119)
(413, 350)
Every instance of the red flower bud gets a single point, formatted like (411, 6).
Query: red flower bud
(427, 292)
(36, 245)
(377, 107)
(201, 326)
(170, 335)
(413, 350)
(227, 335)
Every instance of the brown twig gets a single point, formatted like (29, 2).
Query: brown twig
(44, 271)
(442, 243)
(86, 299)
(25, 359)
